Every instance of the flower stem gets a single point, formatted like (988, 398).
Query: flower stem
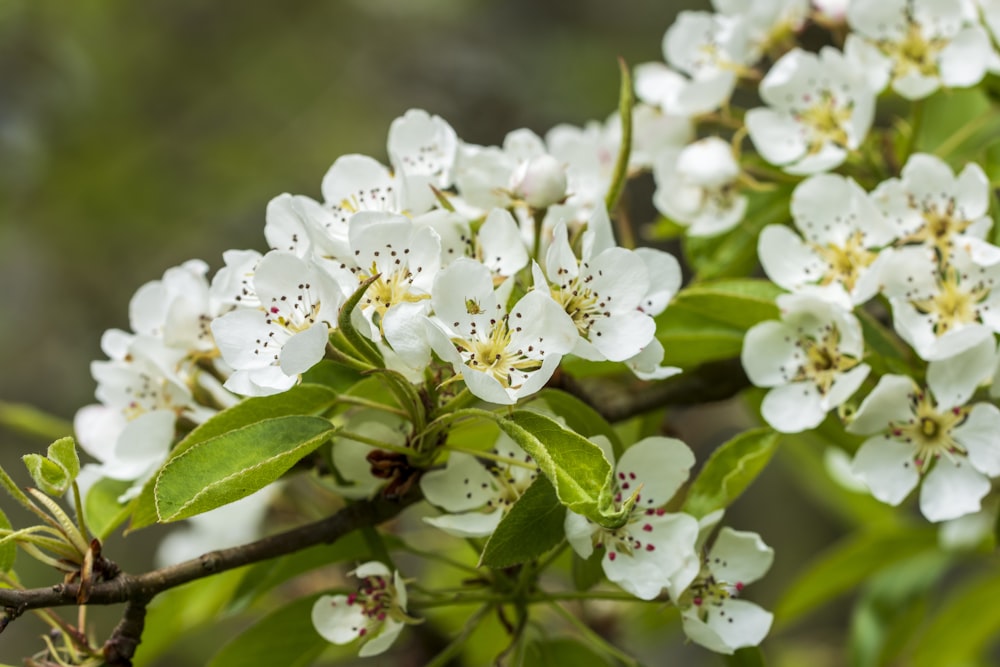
(594, 638)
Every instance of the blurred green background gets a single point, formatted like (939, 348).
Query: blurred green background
(136, 135)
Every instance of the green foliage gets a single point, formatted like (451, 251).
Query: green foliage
(576, 467)
(750, 656)
(233, 465)
(707, 321)
(562, 651)
(847, 565)
(588, 572)
(532, 526)
(730, 470)
(734, 253)
(54, 473)
(966, 623)
(303, 399)
(8, 550)
(580, 417)
(101, 508)
(284, 637)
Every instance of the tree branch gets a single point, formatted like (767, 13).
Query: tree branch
(713, 381)
(142, 588)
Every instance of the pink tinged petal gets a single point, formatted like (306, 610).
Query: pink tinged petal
(739, 557)
(963, 62)
(786, 259)
(776, 136)
(886, 467)
(470, 524)
(664, 279)
(952, 489)
(955, 379)
(979, 435)
(793, 408)
(671, 460)
(463, 485)
(383, 640)
(579, 534)
(739, 623)
(888, 402)
(305, 349)
(336, 620)
(769, 353)
(662, 550)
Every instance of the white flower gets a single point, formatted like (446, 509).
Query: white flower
(766, 20)
(477, 495)
(644, 554)
(501, 355)
(941, 309)
(931, 206)
(819, 109)
(711, 613)
(697, 187)
(923, 44)
(952, 449)
(811, 359)
(375, 614)
(306, 228)
(654, 131)
(424, 147)
(176, 309)
(838, 257)
(232, 285)
(271, 345)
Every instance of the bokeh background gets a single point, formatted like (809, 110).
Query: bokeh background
(136, 135)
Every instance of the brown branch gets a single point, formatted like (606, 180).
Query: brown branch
(140, 589)
(713, 381)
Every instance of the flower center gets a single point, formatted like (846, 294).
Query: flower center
(845, 263)
(827, 119)
(914, 53)
(955, 303)
(823, 360)
(389, 289)
(930, 431)
(493, 355)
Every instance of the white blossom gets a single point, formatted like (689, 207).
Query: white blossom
(811, 359)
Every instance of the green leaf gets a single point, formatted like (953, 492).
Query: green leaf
(848, 564)
(532, 526)
(101, 508)
(951, 125)
(580, 417)
(562, 651)
(303, 399)
(576, 467)
(734, 253)
(730, 470)
(707, 321)
(965, 624)
(285, 637)
(362, 346)
(48, 475)
(332, 375)
(8, 550)
(233, 465)
(63, 452)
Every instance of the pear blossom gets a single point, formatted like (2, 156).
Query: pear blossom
(941, 309)
(653, 545)
(767, 21)
(232, 285)
(931, 438)
(499, 244)
(697, 187)
(306, 228)
(921, 45)
(375, 615)
(271, 345)
(477, 496)
(929, 205)
(424, 147)
(838, 255)
(820, 107)
(711, 612)
(501, 354)
(811, 359)
(654, 131)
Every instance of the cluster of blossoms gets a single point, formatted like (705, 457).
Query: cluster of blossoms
(470, 272)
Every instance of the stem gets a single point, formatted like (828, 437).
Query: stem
(596, 639)
(450, 651)
(492, 457)
(434, 555)
(367, 403)
(30, 421)
(372, 442)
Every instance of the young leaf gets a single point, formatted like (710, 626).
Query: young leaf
(101, 508)
(63, 452)
(48, 475)
(580, 417)
(285, 637)
(303, 399)
(576, 467)
(735, 303)
(233, 465)
(730, 470)
(849, 563)
(532, 526)
(8, 550)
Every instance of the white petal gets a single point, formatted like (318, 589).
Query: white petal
(886, 467)
(954, 380)
(305, 349)
(470, 524)
(381, 642)
(767, 353)
(740, 623)
(336, 620)
(739, 556)
(952, 489)
(776, 136)
(671, 460)
(662, 551)
(463, 485)
(888, 402)
(793, 408)
(963, 61)
(978, 434)
(579, 533)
